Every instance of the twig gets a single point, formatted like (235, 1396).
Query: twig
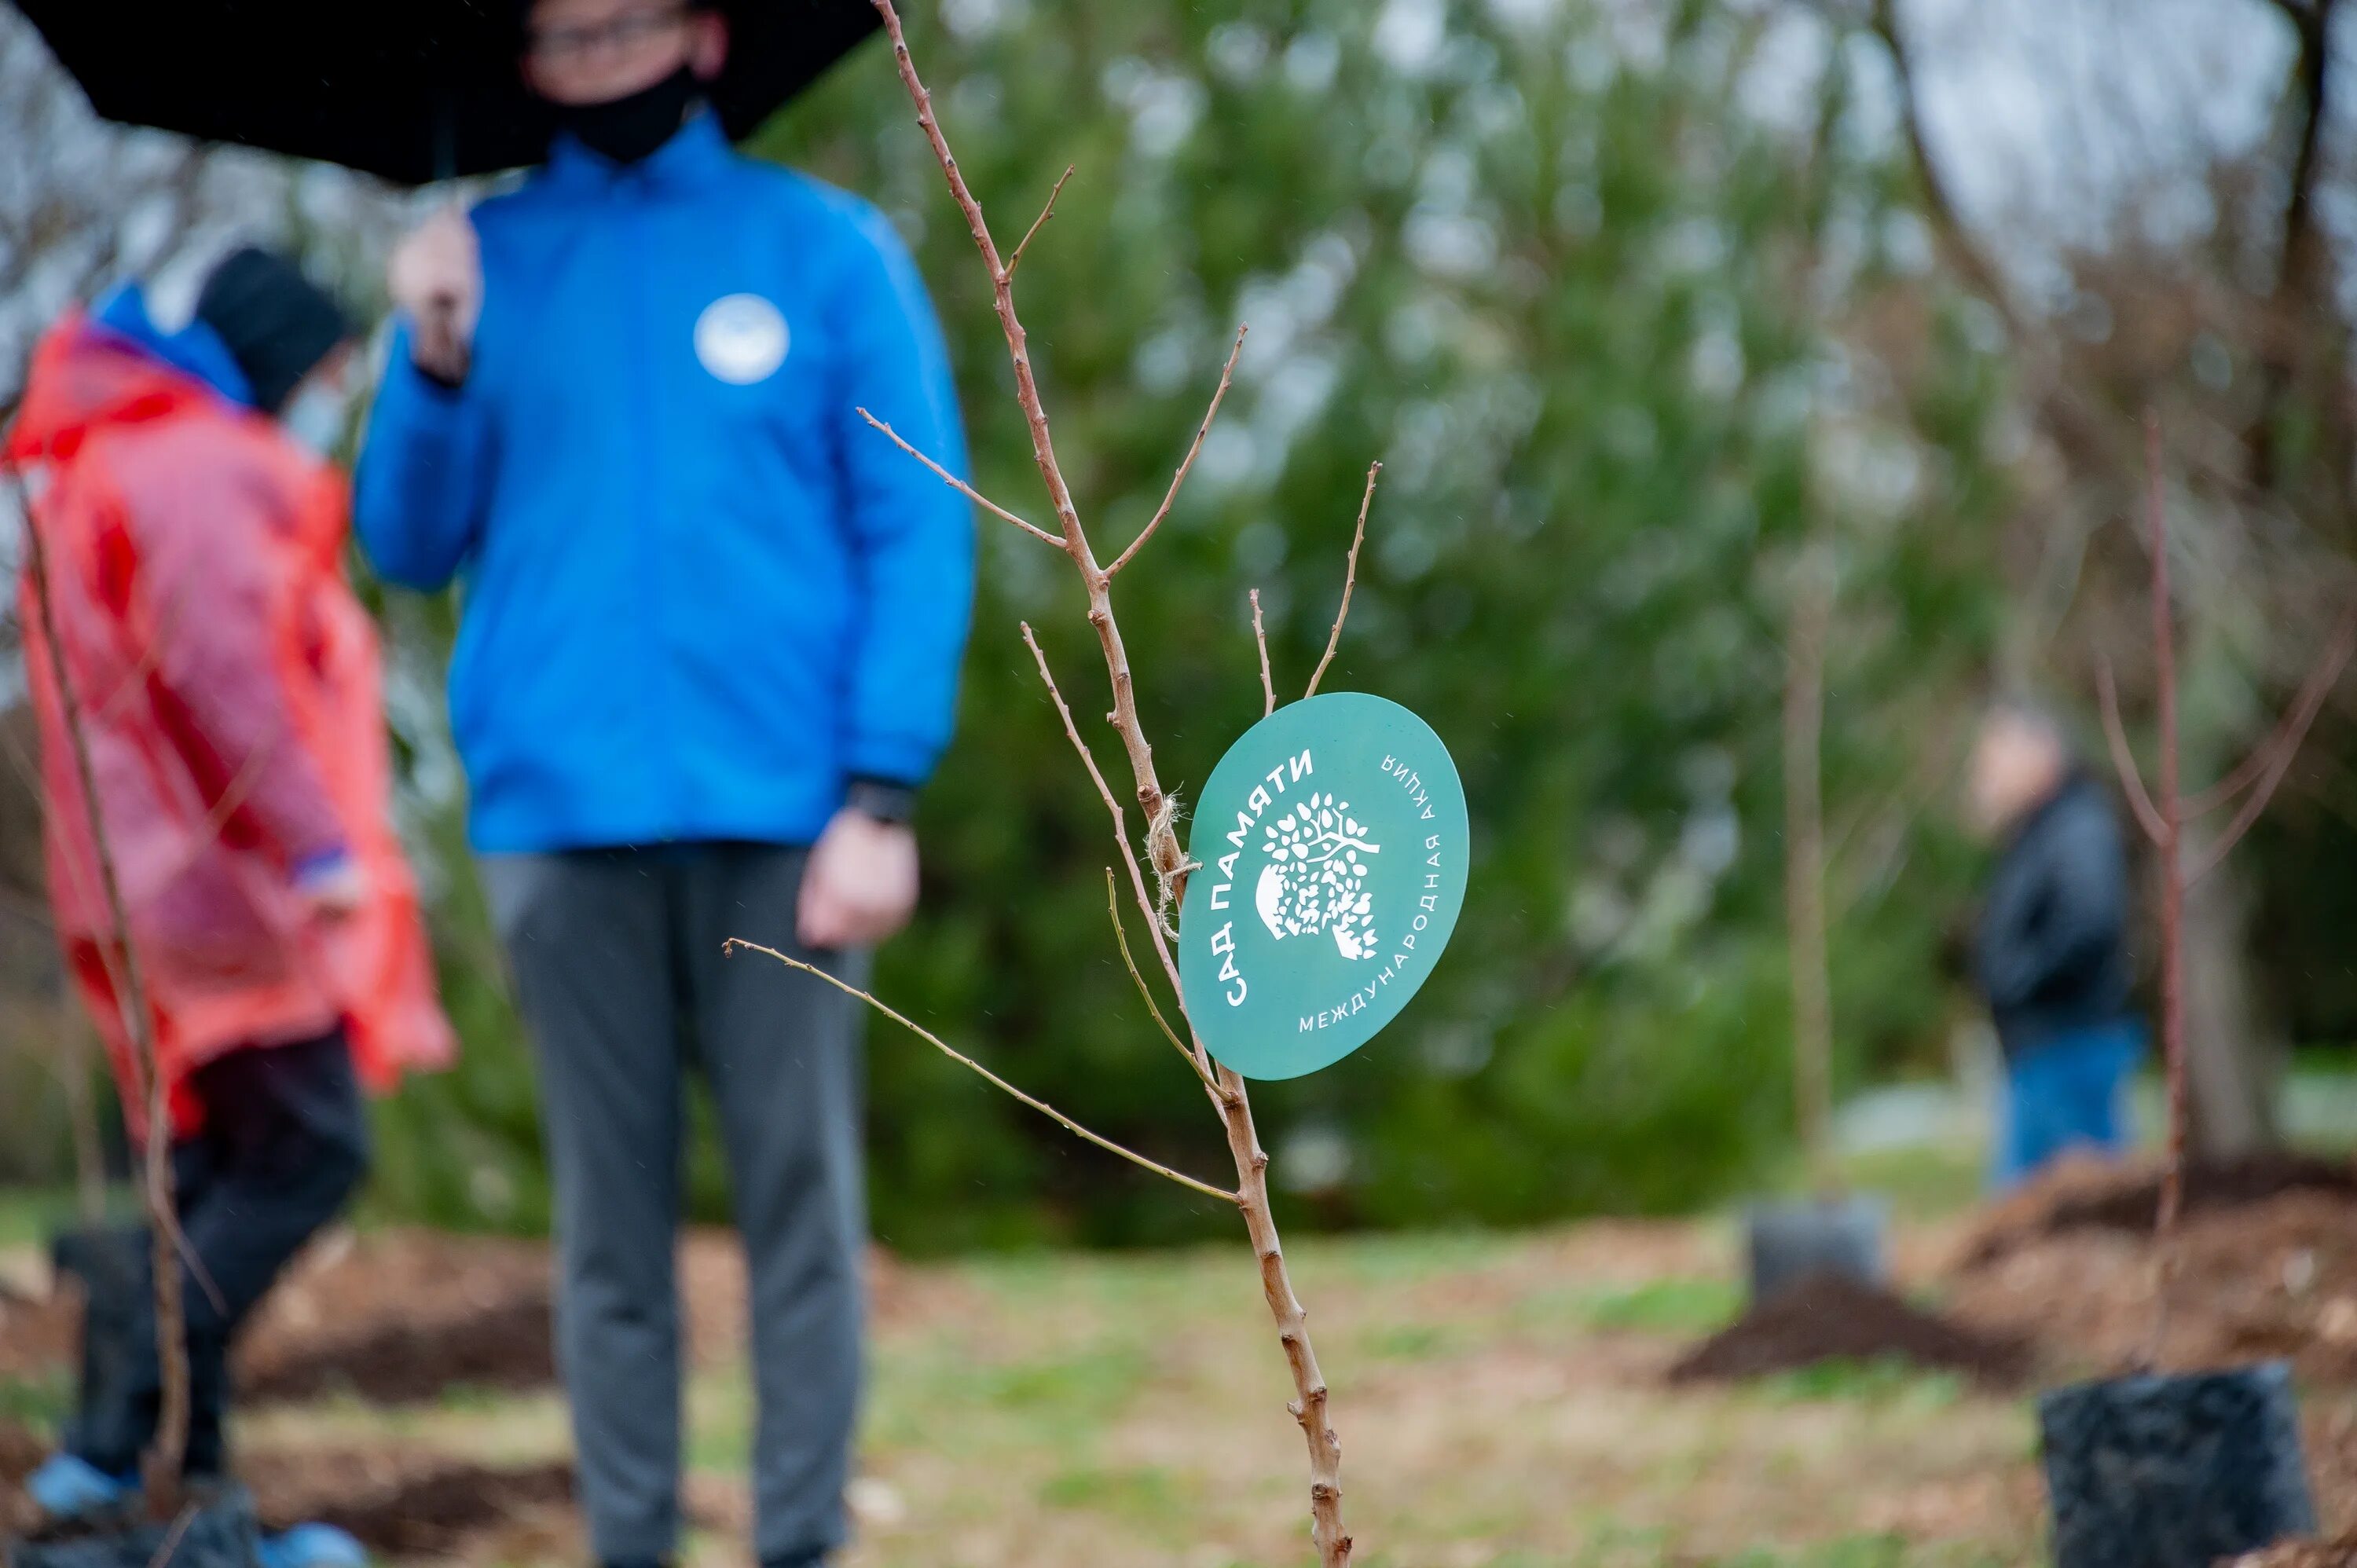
(170, 1448)
(1121, 939)
(1046, 212)
(1042, 1106)
(118, 988)
(2283, 745)
(1170, 496)
(172, 1537)
(1804, 864)
(1310, 1405)
(1350, 580)
(1260, 640)
(960, 485)
(2172, 898)
(2123, 760)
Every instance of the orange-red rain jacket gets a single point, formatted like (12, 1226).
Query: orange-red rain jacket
(229, 683)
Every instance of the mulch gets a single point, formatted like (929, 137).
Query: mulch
(1830, 1316)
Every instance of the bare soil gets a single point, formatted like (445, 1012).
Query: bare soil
(2339, 1552)
(2266, 1268)
(1829, 1317)
(418, 1505)
(2090, 1195)
(402, 1317)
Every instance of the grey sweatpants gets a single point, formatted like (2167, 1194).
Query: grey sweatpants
(622, 984)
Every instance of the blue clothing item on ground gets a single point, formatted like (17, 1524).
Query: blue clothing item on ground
(69, 1487)
(2069, 1092)
(311, 1546)
(700, 594)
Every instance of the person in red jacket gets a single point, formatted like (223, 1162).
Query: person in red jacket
(228, 685)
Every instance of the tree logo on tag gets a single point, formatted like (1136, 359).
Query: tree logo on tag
(1333, 845)
(1314, 879)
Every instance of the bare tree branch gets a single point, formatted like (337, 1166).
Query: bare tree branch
(1144, 992)
(2293, 327)
(2124, 762)
(735, 944)
(2322, 676)
(2281, 748)
(960, 485)
(1350, 581)
(1046, 212)
(1260, 640)
(171, 1439)
(1227, 374)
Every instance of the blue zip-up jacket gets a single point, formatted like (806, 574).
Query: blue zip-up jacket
(699, 593)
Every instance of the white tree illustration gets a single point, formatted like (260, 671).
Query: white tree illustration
(1314, 879)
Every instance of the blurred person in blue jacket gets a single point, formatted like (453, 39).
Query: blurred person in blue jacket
(708, 649)
(2051, 955)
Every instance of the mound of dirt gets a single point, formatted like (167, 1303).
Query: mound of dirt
(409, 1505)
(2339, 1552)
(2098, 1194)
(36, 1333)
(21, 1452)
(404, 1316)
(1829, 1317)
(400, 1316)
(2261, 1273)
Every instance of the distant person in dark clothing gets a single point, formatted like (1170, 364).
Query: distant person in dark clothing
(2052, 959)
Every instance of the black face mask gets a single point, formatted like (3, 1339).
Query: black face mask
(627, 129)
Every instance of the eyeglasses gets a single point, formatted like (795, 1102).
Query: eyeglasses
(562, 46)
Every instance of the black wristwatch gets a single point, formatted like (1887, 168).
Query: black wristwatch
(884, 799)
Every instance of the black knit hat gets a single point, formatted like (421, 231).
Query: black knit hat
(277, 324)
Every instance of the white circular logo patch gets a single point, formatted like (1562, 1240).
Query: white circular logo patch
(741, 339)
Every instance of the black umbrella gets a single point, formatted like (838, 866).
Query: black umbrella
(411, 90)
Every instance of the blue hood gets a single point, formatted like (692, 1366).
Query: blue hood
(196, 349)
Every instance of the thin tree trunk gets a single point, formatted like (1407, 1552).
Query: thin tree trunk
(169, 1450)
(1804, 863)
(2168, 803)
(2233, 1064)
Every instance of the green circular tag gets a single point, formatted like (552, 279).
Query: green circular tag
(1333, 843)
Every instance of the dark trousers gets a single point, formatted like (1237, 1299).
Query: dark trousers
(619, 971)
(282, 1147)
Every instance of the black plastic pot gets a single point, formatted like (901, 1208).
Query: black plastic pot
(2174, 1471)
(1785, 1242)
(217, 1530)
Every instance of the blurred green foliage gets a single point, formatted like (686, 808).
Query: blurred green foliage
(1629, 312)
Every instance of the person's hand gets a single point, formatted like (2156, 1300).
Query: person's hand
(861, 884)
(331, 883)
(436, 276)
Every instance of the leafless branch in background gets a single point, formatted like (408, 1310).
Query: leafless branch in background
(2124, 763)
(1805, 862)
